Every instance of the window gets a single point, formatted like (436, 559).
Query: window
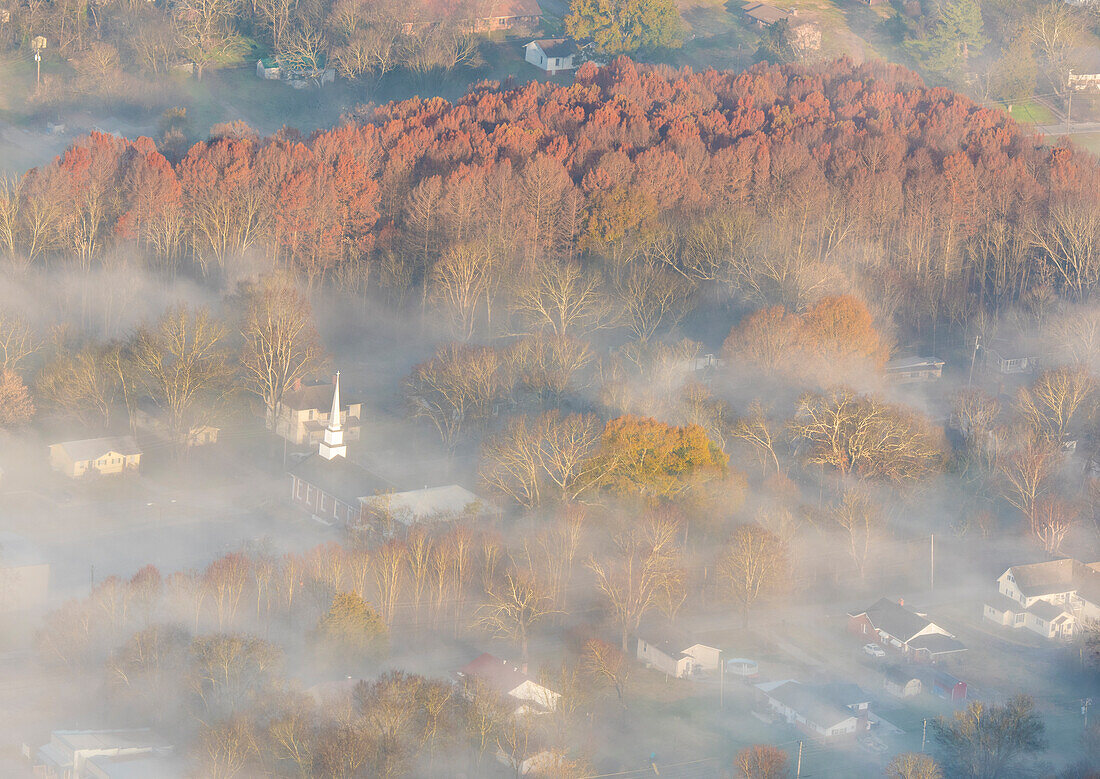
(298, 488)
(1019, 619)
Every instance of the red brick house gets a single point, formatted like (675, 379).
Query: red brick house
(904, 631)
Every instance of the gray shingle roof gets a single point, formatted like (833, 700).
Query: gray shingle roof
(894, 619)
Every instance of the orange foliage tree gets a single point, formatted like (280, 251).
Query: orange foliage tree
(654, 459)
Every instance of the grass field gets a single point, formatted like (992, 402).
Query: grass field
(1032, 113)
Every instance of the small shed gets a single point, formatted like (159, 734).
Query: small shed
(901, 683)
(946, 686)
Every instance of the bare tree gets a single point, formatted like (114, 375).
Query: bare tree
(16, 406)
(182, 364)
(515, 606)
(561, 298)
(866, 436)
(17, 342)
(1028, 472)
(1053, 520)
(205, 32)
(913, 765)
(457, 388)
(642, 573)
(82, 384)
(281, 343)
(458, 282)
(862, 522)
(1055, 401)
(387, 566)
(755, 564)
(650, 296)
(761, 761)
(757, 430)
(227, 746)
(484, 714)
(606, 665)
(1056, 31)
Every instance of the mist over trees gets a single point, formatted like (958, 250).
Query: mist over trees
(647, 316)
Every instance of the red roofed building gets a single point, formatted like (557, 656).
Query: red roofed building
(509, 680)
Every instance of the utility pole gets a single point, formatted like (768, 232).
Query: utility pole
(932, 562)
(798, 770)
(721, 683)
(38, 43)
(1085, 703)
(924, 735)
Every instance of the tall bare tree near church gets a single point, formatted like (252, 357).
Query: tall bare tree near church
(281, 344)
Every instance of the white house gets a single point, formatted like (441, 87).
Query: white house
(95, 455)
(826, 711)
(551, 54)
(527, 695)
(1047, 598)
(674, 654)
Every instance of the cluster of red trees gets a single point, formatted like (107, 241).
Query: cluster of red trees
(768, 181)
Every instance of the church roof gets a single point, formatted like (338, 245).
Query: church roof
(339, 477)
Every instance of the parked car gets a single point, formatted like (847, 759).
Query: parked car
(874, 650)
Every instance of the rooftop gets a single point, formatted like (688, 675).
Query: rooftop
(498, 674)
(556, 47)
(141, 766)
(315, 396)
(94, 448)
(766, 14)
(937, 644)
(894, 619)
(810, 703)
(913, 363)
(341, 477)
(1047, 611)
(428, 504)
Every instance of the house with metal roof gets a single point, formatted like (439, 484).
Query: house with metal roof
(904, 631)
(106, 754)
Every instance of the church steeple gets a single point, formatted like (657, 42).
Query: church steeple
(333, 443)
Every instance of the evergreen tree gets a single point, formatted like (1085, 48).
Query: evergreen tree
(625, 26)
(956, 36)
(351, 624)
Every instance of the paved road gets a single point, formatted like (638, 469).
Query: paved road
(1068, 129)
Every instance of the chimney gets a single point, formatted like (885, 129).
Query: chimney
(297, 384)
(523, 669)
(901, 601)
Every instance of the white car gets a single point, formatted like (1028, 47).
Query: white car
(874, 650)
